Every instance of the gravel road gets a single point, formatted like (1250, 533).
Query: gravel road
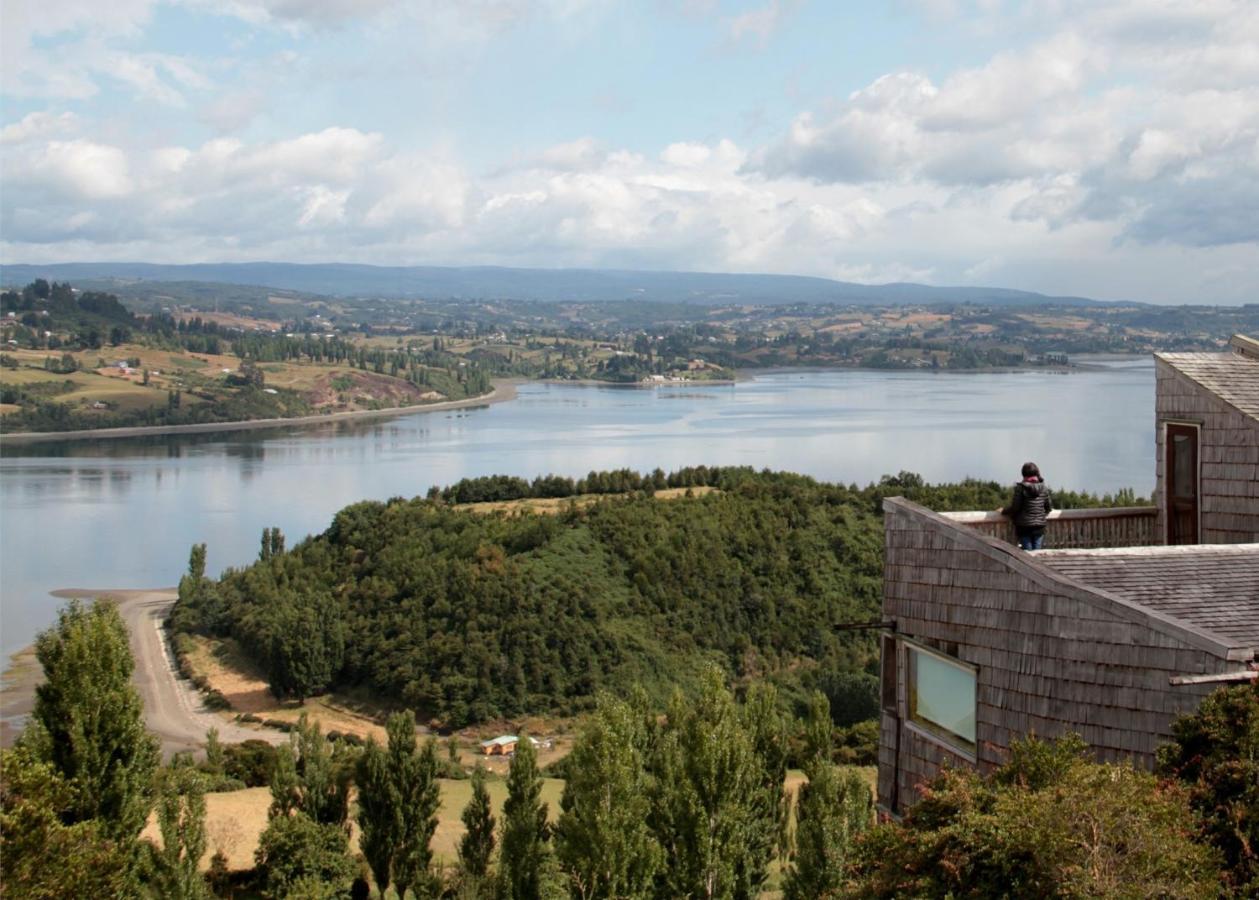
(173, 709)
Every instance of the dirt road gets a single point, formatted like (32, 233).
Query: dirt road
(172, 706)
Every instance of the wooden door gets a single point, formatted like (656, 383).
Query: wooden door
(1180, 480)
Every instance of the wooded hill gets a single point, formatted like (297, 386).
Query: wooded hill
(466, 617)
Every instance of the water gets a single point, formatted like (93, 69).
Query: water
(123, 514)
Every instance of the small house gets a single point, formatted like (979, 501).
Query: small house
(1131, 619)
(503, 745)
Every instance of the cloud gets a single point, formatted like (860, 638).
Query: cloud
(759, 25)
(36, 125)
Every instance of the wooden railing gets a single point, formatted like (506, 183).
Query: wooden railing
(1079, 529)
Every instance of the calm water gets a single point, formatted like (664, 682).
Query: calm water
(119, 514)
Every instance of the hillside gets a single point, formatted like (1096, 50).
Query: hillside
(560, 285)
(468, 616)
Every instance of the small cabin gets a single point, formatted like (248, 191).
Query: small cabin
(503, 745)
(1131, 619)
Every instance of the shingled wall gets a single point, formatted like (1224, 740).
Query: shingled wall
(1229, 457)
(1052, 656)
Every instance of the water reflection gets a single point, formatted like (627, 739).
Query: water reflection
(124, 513)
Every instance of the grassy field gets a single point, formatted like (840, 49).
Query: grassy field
(235, 819)
(552, 505)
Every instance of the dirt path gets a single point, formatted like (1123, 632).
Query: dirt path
(173, 709)
(503, 390)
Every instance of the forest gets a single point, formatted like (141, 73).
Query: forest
(465, 617)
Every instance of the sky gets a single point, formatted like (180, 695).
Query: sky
(1102, 148)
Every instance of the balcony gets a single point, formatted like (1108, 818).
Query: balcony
(1074, 529)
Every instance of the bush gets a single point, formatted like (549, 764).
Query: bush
(251, 762)
(1048, 824)
(1215, 752)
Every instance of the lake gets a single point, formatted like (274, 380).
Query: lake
(123, 513)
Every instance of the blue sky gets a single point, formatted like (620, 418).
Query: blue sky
(1102, 148)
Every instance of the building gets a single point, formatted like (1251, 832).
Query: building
(503, 745)
(1130, 621)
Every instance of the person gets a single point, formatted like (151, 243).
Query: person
(1030, 508)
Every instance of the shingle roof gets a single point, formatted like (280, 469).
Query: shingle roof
(1213, 587)
(1233, 377)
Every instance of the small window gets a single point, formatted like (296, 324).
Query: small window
(942, 696)
(889, 674)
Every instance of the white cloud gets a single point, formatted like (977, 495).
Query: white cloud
(36, 125)
(760, 23)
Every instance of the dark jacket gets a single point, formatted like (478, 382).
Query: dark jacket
(1030, 506)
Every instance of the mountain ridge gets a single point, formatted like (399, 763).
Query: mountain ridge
(559, 285)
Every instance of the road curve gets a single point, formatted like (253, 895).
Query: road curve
(173, 708)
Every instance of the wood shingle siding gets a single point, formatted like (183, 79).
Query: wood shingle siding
(1053, 653)
(1219, 393)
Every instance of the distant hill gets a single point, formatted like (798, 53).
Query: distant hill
(567, 285)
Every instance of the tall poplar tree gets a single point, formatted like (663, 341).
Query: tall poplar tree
(710, 810)
(603, 838)
(834, 806)
(398, 802)
(525, 863)
(88, 719)
(181, 821)
(477, 846)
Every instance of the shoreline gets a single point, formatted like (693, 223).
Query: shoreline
(503, 390)
(173, 709)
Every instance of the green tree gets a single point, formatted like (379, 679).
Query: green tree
(181, 821)
(833, 807)
(476, 848)
(710, 811)
(1050, 823)
(43, 858)
(88, 719)
(312, 776)
(215, 758)
(398, 802)
(603, 838)
(525, 864)
(307, 644)
(295, 852)
(1215, 752)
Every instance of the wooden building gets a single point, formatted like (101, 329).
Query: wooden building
(1207, 436)
(1113, 633)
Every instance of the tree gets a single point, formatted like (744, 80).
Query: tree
(88, 720)
(398, 802)
(1050, 823)
(1215, 753)
(181, 821)
(603, 838)
(709, 806)
(525, 862)
(295, 852)
(311, 776)
(307, 644)
(43, 858)
(833, 807)
(476, 848)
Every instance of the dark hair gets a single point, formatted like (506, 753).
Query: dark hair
(1030, 469)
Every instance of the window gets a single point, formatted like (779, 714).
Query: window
(942, 696)
(888, 674)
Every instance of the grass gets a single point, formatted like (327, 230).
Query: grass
(235, 819)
